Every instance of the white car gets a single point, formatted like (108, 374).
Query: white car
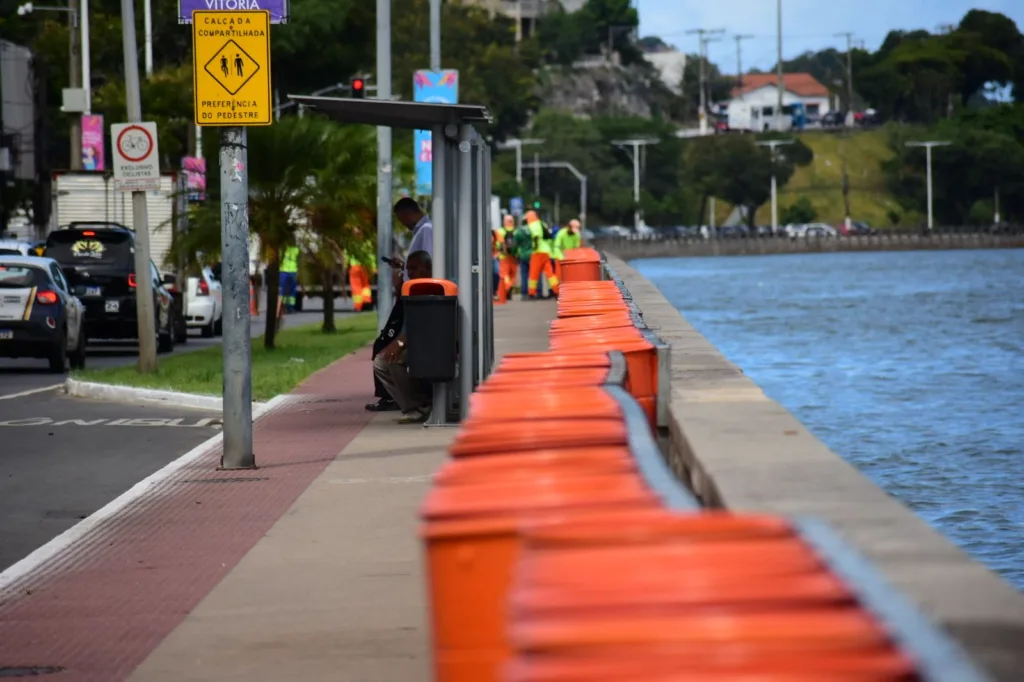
(820, 231)
(205, 303)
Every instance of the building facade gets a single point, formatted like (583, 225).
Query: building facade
(761, 89)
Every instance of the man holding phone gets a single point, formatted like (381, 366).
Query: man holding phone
(414, 219)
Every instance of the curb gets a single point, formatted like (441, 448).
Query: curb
(114, 393)
(38, 558)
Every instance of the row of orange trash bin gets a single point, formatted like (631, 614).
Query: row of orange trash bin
(554, 556)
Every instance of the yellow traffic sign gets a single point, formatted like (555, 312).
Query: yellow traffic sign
(231, 67)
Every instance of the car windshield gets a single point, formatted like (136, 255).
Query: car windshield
(106, 248)
(20, 276)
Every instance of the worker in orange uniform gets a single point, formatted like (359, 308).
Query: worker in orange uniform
(540, 259)
(361, 262)
(504, 247)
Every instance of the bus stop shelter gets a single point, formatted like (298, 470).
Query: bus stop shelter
(460, 212)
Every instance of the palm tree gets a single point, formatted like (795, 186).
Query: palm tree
(281, 159)
(342, 202)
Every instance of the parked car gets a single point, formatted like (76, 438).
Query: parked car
(98, 262)
(39, 315)
(833, 119)
(205, 303)
(819, 231)
(11, 247)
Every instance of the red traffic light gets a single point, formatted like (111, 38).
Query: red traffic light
(358, 88)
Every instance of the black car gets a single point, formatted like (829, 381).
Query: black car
(98, 260)
(833, 119)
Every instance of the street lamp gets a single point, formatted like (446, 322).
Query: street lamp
(773, 144)
(928, 155)
(635, 156)
(517, 144)
(579, 176)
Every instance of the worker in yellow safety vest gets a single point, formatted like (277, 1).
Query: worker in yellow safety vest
(289, 277)
(361, 264)
(540, 259)
(567, 238)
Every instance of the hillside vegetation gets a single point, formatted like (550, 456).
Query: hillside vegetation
(821, 181)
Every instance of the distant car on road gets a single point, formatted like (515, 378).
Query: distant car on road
(99, 263)
(39, 316)
(833, 119)
(205, 303)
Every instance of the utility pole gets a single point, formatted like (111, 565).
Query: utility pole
(780, 86)
(928, 160)
(147, 24)
(739, 60)
(83, 23)
(849, 68)
(995, 205)
(385, 286)
(632, 147)
(435, 35)
(519, 22)
(536, 176)
(146, 313)
(703, 39)
(74, 81)
(773, 144)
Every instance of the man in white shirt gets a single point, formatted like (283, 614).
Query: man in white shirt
(412, 216)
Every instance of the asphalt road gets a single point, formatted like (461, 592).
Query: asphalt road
(28, 374)
(64, 458)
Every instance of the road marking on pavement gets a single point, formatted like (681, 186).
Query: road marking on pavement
(211, 422)
(38, 558)
(388, 479)
(31, 391)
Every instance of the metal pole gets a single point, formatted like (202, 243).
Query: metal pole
(237, 351)
(465, 268)
(435, 34)
(439, 210)
(144, 304)
(519, 162)
(519, 21)
(385, 189)
(147, 22)
(583, 202)
(778, 70)
(86, 55)
(928, 154)
(775, 206)
(199, 142)
(74, 81)
(995, 213)
(636, 185)
(536, 176)
(711, 213)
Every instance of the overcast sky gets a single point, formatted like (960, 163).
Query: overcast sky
(806, 24)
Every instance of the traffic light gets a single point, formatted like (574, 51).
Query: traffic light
(358, 88)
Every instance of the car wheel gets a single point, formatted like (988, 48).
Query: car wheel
(209, 330)
(77, 356)
(165, 341)
(298, 302)
(180, 329)
(218, 326)
(59, 356)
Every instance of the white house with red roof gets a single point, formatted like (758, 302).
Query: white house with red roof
(759, 94)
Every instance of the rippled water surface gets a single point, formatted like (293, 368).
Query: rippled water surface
(909, 364)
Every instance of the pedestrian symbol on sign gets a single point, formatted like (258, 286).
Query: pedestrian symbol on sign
(232, 67)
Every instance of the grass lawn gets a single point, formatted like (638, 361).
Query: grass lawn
(300, 352)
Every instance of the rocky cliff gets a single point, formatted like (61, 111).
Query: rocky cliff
(598, 89)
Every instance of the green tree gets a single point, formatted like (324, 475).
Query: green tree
(799, 212)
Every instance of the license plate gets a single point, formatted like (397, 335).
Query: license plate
(112, 306)
(92, 291)
(6, 334)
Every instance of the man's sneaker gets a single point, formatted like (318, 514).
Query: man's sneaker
(417, 416)
(382, 405)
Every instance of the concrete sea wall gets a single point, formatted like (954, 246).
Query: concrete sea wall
(740, 450)
(671, 248)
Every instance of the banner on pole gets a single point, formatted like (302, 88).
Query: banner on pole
(195, 177)
(278, 8)
(93, 144)
(438, 87)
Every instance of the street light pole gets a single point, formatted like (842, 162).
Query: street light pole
(928, 161)
(435, 35)
(83, 23)
(635, 155)
(579, 176)
(772, 145)
(147, 23)
(385, 285)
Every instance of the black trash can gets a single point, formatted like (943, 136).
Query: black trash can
(431, 309)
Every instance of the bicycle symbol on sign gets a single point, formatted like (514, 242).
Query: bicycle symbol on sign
(137, 144)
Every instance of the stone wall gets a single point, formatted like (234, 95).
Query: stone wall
(738, 449)
(672, 248)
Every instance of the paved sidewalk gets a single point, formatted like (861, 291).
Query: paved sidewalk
(305, 569)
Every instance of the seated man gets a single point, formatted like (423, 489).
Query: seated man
(390, 368)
